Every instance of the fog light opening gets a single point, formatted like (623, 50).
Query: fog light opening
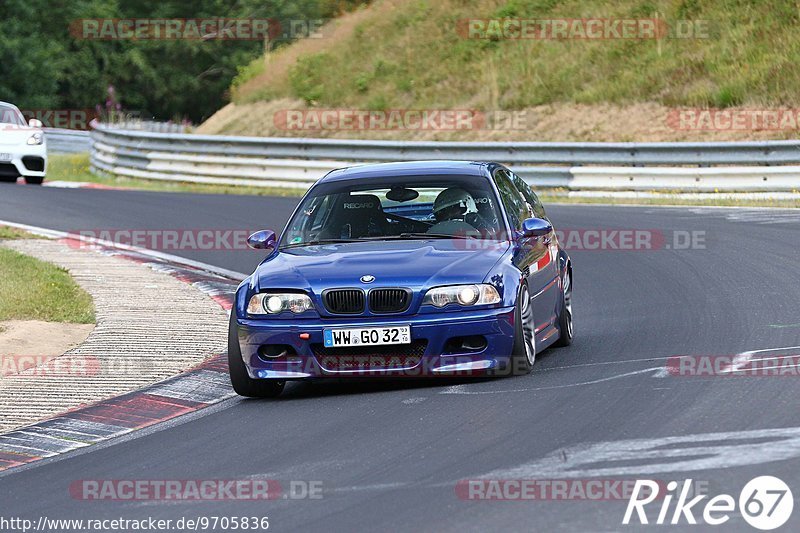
(34, 164)
(271, 352)
(468, 344)
(474, 343)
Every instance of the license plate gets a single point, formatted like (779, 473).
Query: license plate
(334, 338)
(5, 156)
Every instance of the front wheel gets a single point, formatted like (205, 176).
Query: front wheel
(8, 179)
(34, 180)
(565, 325)
(242, 383)
(523, 354)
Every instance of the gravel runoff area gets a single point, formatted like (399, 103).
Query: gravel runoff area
(150, 326)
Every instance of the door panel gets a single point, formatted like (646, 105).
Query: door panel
(536, 257)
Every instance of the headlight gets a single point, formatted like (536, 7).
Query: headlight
(36, 138)
(466, 295)
(267, 303)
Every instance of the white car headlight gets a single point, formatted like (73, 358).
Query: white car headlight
(466, 295)
(267, 303)
(36, 138)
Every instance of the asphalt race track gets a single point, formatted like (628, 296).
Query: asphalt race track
(390, 455)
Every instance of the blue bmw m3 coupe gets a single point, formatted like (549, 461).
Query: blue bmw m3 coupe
(430, 268)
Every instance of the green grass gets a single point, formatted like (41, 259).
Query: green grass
(9, 233)
(34, 290)
(409, 54)
(75, 167)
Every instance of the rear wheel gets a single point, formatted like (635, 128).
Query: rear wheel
(34, 180)
(8, 179)
(242, 383)
(523, 354)
(565, 325)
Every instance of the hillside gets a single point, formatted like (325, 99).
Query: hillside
(400, 55)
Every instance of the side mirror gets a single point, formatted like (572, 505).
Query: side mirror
(262, 240)
(536, 227)
(35, 123)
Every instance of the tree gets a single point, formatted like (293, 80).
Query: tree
(44, 65)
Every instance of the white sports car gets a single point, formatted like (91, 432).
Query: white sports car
(23, 151)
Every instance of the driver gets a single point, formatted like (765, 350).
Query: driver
(453, 209)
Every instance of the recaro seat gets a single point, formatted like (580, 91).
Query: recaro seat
(356, 216)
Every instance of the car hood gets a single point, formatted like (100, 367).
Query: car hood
(412, 264)
(13, 135)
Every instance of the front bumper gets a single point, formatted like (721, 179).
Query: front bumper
(433, 351)
(26, 160)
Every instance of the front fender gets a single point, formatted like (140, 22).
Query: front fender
(242, 295)
(506, 278)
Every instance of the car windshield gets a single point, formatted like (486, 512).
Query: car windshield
(11, 115)
(448, 207)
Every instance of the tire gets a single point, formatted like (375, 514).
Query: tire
(7, 179)
(566, 327)
(242, 383)
(523, 354)
(34, 180)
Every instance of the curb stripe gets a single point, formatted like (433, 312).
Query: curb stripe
(10, 460)
(193, 390)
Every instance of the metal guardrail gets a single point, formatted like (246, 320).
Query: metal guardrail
(151, 126)
(64, 141)
(61, 141)
(297, 162)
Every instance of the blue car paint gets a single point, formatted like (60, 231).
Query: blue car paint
(415, 264)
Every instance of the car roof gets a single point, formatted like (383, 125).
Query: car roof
(409, 168)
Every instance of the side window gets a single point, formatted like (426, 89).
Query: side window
(516, 206)
(529, 195)
(313, 219)
(321, 210)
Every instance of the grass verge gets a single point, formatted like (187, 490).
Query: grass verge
(35, 290)
(9, 233)
(75, 167)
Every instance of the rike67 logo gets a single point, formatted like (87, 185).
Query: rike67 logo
(765, 502)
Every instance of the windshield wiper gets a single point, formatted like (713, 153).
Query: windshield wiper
(317, 242)
(409, 235)
(417, 235)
